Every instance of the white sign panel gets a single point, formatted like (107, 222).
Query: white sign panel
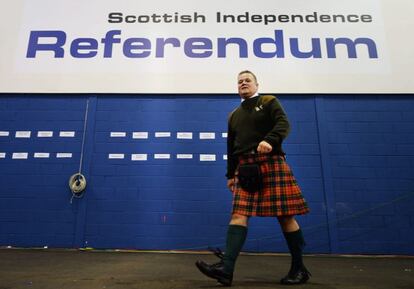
(63, 155)
(20, 156)
(184, 135)
(41, 155)
(162, 134)
(67, 134)
(116, 156)
(45, 134)
(207, 135)
(161, 156)
(118, 134)
(184, 156)
(207, 158)
(23, 134)
(158, 46)
(140, 135)
(139, 157)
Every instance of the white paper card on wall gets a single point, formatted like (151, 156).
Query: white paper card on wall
(118, 134)
(139, 157)
(224, 134)
(207, 158)
(4, 133)
(162, 134)
(140, 135)
(2, 155)
(67, 134)
(45, 134)
(116, 156)
(41, 155)
(23, 134)
(225, 157)
(20, 156)
(184, 156)
(207, 135)
(161, 156)
(63, 155)
(184, 135)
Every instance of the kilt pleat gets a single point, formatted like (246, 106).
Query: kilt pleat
(279, 195)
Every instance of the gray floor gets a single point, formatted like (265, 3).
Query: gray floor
(59, 269)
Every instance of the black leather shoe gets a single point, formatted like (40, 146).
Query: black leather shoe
(215, 271)
(296, 277)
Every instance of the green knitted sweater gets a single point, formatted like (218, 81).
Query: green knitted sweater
(256, 119)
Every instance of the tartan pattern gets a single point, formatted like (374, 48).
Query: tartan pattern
(279, 195)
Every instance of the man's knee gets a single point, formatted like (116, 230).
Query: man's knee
(240, 220)
(288, 223)
(285, 219)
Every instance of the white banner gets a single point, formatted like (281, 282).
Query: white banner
(183, 46)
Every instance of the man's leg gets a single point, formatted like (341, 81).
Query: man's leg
(293, 234)
(236, 236)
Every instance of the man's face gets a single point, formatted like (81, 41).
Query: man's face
(247, 85)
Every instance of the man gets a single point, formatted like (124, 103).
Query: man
(260, 180)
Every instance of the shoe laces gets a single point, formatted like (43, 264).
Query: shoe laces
(217, 252)
(218, 264)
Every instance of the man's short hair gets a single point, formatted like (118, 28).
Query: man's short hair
(248, 71)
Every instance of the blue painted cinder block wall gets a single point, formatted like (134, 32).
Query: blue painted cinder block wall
(353, 156)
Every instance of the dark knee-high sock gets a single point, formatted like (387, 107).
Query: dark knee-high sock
(295, 242)
(236, 235)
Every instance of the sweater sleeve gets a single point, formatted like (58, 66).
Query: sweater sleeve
(281, 125)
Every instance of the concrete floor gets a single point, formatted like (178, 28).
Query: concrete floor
(61, 269)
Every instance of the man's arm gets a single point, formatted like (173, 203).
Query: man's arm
(281, 126)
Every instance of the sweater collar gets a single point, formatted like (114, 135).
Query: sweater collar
(251, 97)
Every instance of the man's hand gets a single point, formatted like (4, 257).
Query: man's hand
(264, 147)
(230, 184)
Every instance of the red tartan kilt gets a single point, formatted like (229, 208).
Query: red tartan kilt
(279, 194)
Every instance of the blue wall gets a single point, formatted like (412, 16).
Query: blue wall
(353, 156)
